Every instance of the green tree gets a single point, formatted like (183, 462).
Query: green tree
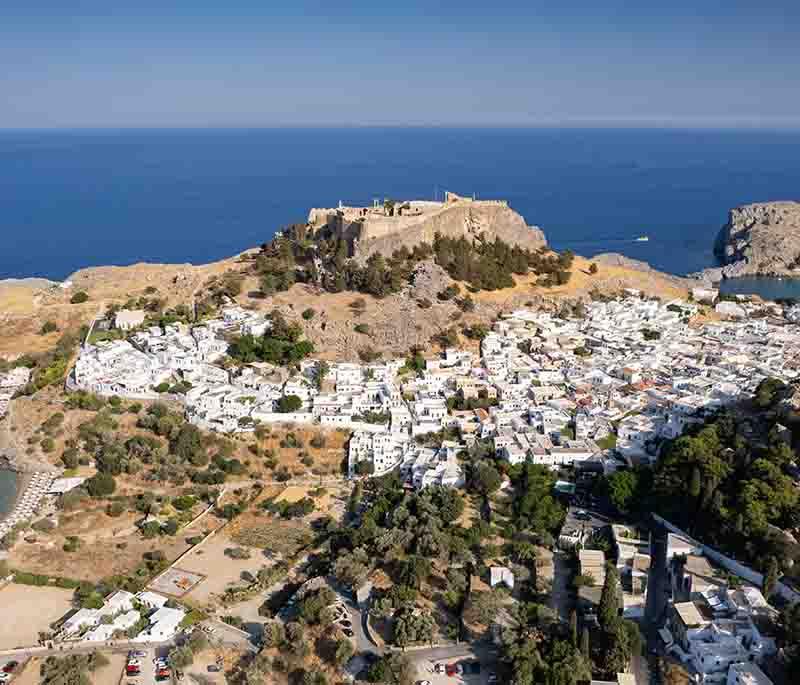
(573, 628)
(344, 652)
(622, 488)
(289, 404)
(101, 485)
(585, 648)
(770, 577)
(484, 479)
(610, 599)
(695, 483)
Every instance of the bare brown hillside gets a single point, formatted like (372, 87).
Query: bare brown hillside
(395, 323)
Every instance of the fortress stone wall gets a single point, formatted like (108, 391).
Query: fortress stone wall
(381, 229)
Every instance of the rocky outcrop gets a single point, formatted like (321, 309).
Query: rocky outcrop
(761, 239)
(651, 277)
(487, 220)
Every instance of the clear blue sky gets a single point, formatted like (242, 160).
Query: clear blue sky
(66, 63)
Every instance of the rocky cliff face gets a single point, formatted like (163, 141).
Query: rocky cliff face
(488, 220)
(760, 239)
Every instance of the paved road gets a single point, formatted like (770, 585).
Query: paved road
(115, 646)
(657, 586)
(482, 651)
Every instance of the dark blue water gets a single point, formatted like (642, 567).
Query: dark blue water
(74, 199)
(8, 489)
(766, 288)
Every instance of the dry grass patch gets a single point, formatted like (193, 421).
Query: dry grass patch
(287, 445)
(29, 610)
(111, 672)
(271, 534)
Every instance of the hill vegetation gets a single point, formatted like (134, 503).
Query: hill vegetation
(296, 255)
(741, 493)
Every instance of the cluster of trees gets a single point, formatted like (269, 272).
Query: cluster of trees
(48, 368)
(281, 344)
(460, 403)
(726, 481)
(291, 641)
(534, 507)
(538, 649)
(175, 451)
(325, 260)
(619, 638)
(290, 510)
(71, 670)
(404, 534)
(790, 637)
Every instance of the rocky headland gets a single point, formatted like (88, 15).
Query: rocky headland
(760, 239)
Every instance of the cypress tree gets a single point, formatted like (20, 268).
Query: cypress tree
(573, 628)
(770, 577)
(695, 483)
(585, 650)
(610, 601)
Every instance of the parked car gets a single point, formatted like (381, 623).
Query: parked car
(493, 677)
(10, 667)
(213, 668)
(4, 677)
(450, 669)
(137, 654)
(438, 668)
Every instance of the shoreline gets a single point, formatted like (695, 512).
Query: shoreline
(25, 480)
(20, 484)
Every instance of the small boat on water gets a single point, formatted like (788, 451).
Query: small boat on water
(642, 239)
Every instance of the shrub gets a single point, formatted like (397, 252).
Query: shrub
(115, 509)
(448, 293)
(369, 355)
(289, 403)
(47, 445)
(359, 304)
(48, 327)
(101, 485)
(79, 298)
(43, 526)
(308, 314)
(237, 553)
(72, 544)
(184, 502)
(362, 328)
(162, 387)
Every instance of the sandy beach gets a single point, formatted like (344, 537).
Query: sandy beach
(25, 498)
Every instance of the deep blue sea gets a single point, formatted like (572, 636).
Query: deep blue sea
(70, 199)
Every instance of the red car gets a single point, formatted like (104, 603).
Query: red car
(450, 669)
(132, 669)
(10, 667)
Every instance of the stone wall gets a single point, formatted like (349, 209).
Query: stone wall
(489, 220)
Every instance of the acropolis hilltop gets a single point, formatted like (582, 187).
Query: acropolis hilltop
(387, 225)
